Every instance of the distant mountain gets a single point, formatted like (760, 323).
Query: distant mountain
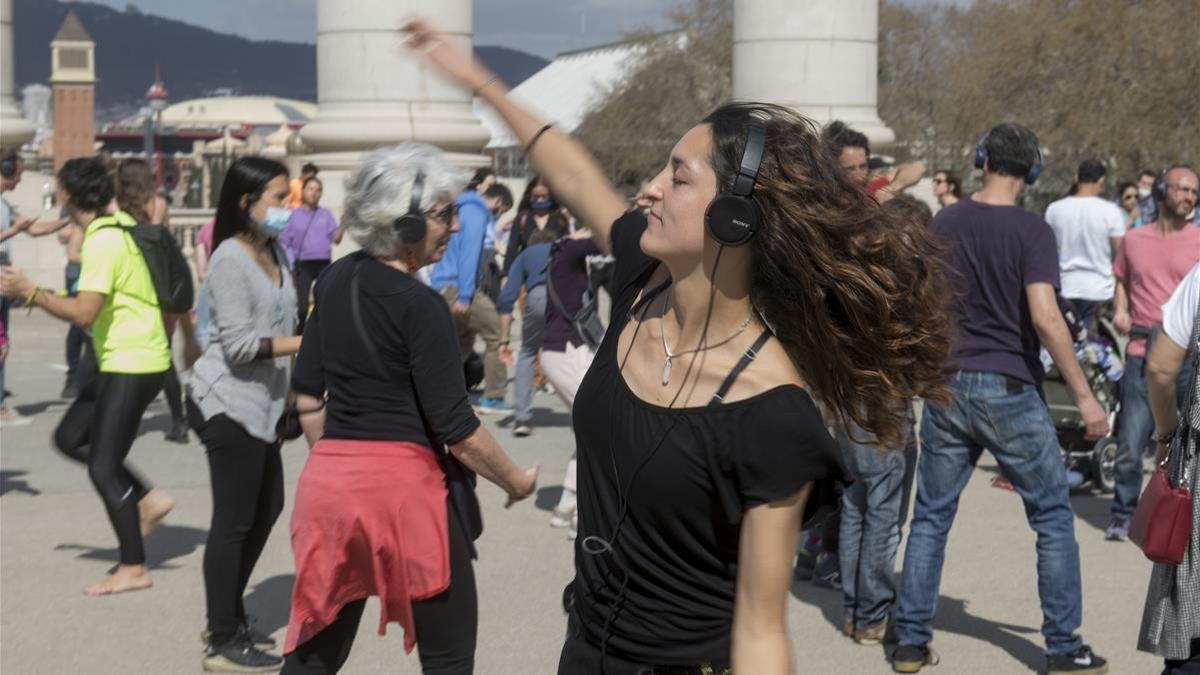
(195, 61)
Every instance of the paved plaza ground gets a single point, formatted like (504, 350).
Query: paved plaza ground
(55, 539)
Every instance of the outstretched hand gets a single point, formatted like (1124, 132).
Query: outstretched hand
(435, 48)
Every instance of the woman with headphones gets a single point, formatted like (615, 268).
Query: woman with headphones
(760, 285)
(384, 506)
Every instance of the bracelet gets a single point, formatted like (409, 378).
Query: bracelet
(29, 300)
(1165, 439)
(536, 137)
(476, 90)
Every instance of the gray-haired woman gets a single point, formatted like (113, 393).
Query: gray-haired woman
(381, 508)
(1171, 620)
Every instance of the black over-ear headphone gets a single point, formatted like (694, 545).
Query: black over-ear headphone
(410, 227)
(733, 218)
(8, 163)
(1159, 190)
(1034, 171)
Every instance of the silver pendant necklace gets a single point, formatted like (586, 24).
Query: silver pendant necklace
(666, 372)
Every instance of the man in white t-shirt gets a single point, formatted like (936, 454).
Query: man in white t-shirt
(1089, 230)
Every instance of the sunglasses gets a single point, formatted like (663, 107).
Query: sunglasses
(1128, 197)
(940, 181)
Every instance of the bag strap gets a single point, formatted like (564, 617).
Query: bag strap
(751, 354)
(356, 315)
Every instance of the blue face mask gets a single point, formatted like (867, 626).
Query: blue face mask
(276, 222)
(541, 204)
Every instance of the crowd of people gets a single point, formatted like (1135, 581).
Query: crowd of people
(797, 349)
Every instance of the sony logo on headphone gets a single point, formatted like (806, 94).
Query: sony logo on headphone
(740, 223)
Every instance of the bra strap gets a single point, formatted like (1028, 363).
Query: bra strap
(648, 298)
(751, 353)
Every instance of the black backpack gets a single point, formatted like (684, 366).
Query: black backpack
(169, 270)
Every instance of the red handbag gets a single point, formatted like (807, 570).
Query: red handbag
(1162, 523)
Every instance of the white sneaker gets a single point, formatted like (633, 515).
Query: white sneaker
(562, 517)
(574, 531)
(12, 418)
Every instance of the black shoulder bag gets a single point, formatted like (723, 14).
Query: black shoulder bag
(460, 481)
(586, 321)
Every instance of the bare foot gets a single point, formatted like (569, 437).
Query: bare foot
(152, 509)
(126, 578)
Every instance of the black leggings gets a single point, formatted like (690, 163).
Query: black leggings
(247, 491)
(173, 393)
(445, 624)
(307, 272)
(99, 429)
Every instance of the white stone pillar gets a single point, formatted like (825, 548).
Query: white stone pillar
(372, 94)
(14, 128)
(819, 57)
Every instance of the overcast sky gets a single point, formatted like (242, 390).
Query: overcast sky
(542, 27)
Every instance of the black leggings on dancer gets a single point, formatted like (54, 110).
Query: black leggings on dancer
(173, 393)
(446, 625)
(99, 429)
(247, 489)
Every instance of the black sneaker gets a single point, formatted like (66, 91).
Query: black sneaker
(912, 658)
(1080, 662)
(178, 432)
(247, 630)
(258, 638)
(239, 656)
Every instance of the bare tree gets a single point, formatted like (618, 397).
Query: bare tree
(1112, 79)
(676, 79)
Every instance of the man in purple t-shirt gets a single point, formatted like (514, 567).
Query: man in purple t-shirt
(1004, 265)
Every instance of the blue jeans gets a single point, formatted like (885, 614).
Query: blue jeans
(1010, 419)
(533, 323)
(1134, 429)
(874, 507)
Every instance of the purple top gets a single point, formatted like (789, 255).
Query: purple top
(995, 252)
(569, 274)
(309, 235)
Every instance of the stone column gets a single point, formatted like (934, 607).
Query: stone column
(14, 128)
(819, 57)
(372, 94)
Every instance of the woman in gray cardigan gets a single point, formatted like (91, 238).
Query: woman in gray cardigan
(237, 392)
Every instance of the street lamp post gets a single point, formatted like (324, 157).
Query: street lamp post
(156, 98)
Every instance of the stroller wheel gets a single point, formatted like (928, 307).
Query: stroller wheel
(1104, 462)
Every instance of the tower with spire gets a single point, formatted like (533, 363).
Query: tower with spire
(73, 78)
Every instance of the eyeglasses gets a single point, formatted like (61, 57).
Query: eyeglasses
(445, 214)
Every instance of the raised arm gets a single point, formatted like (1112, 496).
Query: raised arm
(574, 176)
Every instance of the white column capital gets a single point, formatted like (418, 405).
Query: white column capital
(818, 57)
(372, 94)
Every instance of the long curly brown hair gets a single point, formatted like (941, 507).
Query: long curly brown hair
(857, 294)
(134, 183)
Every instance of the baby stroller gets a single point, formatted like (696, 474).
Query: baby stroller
(1101, 355)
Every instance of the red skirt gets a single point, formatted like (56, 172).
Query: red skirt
(369, 519)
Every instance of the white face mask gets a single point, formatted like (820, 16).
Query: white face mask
(1143, 192)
